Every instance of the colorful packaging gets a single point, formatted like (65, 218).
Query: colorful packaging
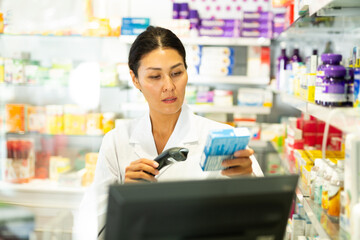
(221, 145)
(218, 32)
(74, 120)
(108, 121)
(94, 124)
(2, 70)
(54, 119)
(15, 117)
(57, 166)
(36, 119)
(90, 165)
(134, 26)
(42, 165)
(20, 161)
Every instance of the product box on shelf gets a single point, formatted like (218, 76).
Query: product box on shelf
(220, 145)
(16, 117)
(36, 119)
(20, 161)
(218, 31)
(254, 97)
(134, 26)
(258, 61)
(74, 120)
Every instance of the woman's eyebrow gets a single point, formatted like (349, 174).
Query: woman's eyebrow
(157, 68)
(176, 65)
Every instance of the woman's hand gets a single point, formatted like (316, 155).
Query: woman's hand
(141, 169)
(239, 165)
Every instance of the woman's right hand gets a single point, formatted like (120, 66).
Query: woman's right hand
(141, 169)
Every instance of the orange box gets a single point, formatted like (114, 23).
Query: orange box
(15, 117)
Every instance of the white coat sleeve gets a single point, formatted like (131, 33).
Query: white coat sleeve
(91, 216)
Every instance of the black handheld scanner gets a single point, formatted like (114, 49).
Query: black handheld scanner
(171, 155)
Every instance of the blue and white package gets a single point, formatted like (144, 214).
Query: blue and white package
(221, 145)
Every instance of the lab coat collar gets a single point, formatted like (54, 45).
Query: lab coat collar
(185, 132)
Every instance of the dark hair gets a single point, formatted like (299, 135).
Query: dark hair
(153, 38)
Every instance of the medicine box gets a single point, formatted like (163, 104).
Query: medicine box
(221, 145)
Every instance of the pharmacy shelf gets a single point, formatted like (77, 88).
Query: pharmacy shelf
(318, 5)
(44, 194)
(51, 204)
(323, 224)
(137, 107)
(214, 41)
(236, 80)
(326, 227)
(10, 134)
(346, 119)
(289, 166)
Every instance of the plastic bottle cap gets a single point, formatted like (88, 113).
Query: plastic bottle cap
(331, 58)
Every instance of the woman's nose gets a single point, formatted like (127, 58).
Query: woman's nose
(168, 84)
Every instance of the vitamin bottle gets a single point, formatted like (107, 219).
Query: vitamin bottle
(324, 194)
(328, 59)
(318, 183)
(90, 165)
(336, 186)
(313, 174)
(334, 93)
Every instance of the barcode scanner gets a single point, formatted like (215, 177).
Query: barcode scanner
(171, 155)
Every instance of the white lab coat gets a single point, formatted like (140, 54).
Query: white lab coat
(132, 140)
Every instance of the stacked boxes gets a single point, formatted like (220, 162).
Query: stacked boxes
(218, 61)
(56, 120)
(134, 26)
(257, 24)
(219, 27)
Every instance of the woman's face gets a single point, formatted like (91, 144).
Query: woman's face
(162, 79)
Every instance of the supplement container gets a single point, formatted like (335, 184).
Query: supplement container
(313, 174)
(20, 161)
(90, 165)
(328, 60)
(281, 63)
(334, 89)
(336, 186)
(296, 57)
(324, 194)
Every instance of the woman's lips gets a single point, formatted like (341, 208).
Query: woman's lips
(169, 99)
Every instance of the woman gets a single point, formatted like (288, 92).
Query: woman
(158, 69)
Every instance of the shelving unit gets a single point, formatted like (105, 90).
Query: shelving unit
(206, 108)
(346, 119)
(214, 41)
(317, 5)
(324, 21)
(326, 227)
(236, 80)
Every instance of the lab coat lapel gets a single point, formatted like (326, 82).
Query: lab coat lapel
(185, 131)
(142, 139)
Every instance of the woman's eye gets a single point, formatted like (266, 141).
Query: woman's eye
(175, 74)
(155, 77)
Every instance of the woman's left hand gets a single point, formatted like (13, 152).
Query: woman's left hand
(239, 165)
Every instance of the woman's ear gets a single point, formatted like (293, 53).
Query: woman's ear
(135, 80)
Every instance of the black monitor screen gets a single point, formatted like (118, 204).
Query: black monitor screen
(241, 208)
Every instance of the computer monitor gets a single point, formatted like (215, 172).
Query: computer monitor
(251, 208)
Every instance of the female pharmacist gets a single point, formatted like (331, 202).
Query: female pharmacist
(158, 69)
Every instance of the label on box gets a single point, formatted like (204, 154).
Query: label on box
(220, 145)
